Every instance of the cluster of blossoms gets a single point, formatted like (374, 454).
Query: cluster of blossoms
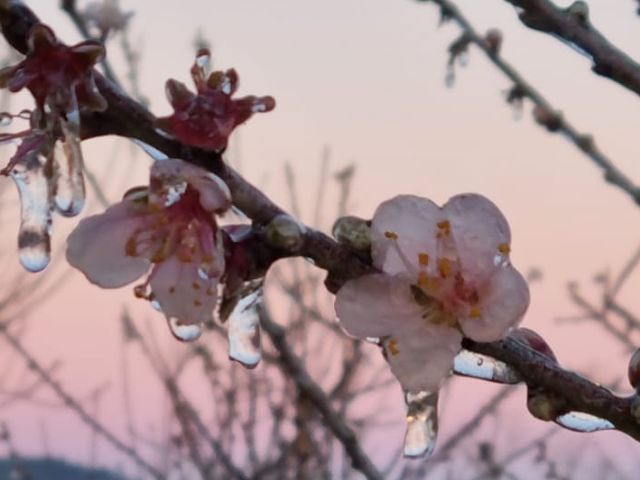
(61, 80)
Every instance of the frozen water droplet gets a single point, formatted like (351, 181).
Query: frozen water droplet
(584, 422)
(470, 364)
(5, 119)
(463, 59)
(34, 242)
(374, 340)
(244, 330)
(151, 151)
(155, 304)
(203, 59)
(70, 192)
(185, 332)
(174, 193)
(422, 423)
(310, 260)
(203, 274)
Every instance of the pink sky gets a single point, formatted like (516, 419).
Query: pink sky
(367, 78)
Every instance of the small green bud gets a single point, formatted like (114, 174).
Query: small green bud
(285, 232)
(353, 232)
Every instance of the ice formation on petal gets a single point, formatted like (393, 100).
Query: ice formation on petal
(475, 365)
(185, 332)
(244, 330)
(70, 192)
(422, 423)
(34, 242)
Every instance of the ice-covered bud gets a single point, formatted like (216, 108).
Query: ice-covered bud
(579, 10)
(493, 38)
(534, 341)
(353, 232)
(634, 369)
(549, 119)
(206, 118)
(285, 232)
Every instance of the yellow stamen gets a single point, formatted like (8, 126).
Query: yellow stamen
(504, 248)
(391, 235)
(423, 259)
(427, 283)
(195, 285)
(445, 228)
(444, 267)
(393, 347)
(197, 303)
(475, 312)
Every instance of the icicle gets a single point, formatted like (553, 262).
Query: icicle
(422, 423)
(70, 192)
(5, 119)
(185, 332)
(470, 364)
(583, 422)
(34, 243)
(151, 151)
(244, 330)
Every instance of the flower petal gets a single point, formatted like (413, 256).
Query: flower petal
(375, 305)
(97, 247)
(182, 293)
(480, 232)
(503, 305)
(422, 356)
(414, 219)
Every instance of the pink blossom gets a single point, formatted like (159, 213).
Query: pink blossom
(169, 227)
(207, 118)
(446, 275)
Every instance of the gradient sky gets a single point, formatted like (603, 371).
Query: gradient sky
(367, 78)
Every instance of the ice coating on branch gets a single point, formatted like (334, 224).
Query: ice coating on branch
(206, 118)
(476, 365)
(584, 422)
(422, 423)
(106, 16)
(169, 227)
(244, 330)
(34, 244)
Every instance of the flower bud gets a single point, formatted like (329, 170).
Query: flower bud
(352, 232)
(285, 232)
(534, 341)
(634, 369)
(579, 10)
(493, 38)
(547, 118)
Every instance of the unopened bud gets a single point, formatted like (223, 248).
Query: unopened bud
(545, 406)
(285, 232)
(534, 341)
(634, 369)
(580, 11)
(549, 119)
(352, 232)
(493, 38)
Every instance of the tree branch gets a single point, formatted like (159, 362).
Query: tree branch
(573, 26)
(584, 142)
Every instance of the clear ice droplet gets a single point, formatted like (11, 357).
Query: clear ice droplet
(475, 365)
(185, 332)
(5, 119)
(70, 192)
(244, 330)
(34, 243)
(422, 423)
(584, 422)
(153, 152)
